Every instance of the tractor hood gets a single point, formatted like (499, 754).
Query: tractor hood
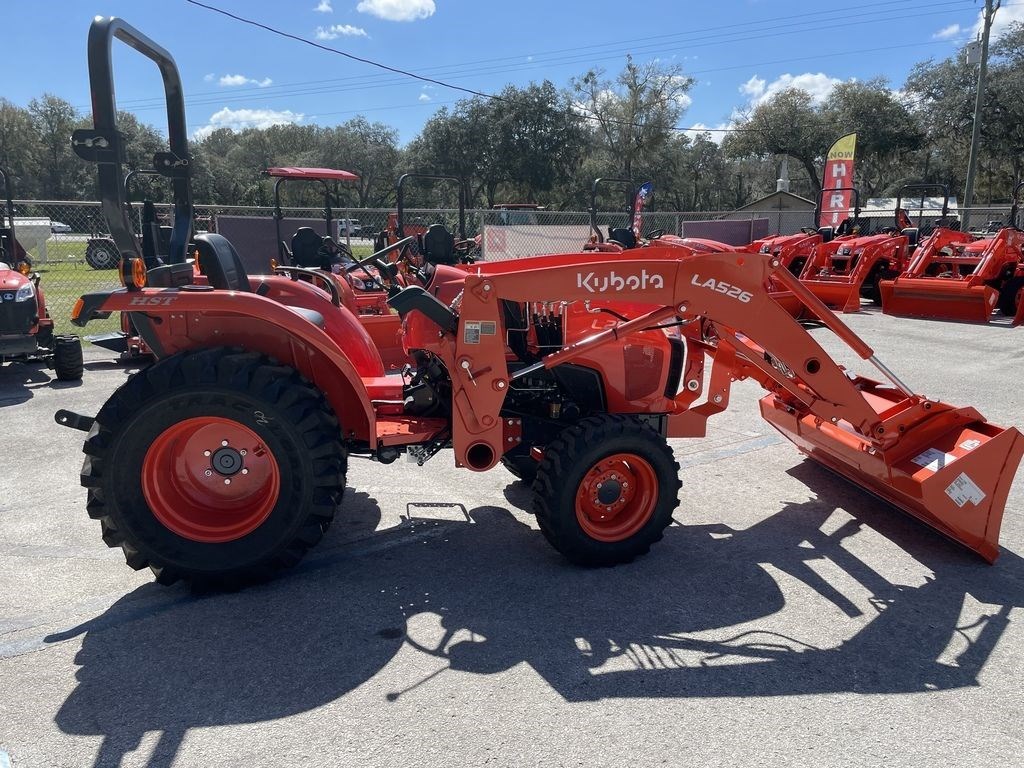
(11, 279)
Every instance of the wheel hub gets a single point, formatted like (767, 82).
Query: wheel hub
(202, 484)
(617, 497)
(227, 462)
(608, 492)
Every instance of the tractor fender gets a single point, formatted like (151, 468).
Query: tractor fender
(183, 319)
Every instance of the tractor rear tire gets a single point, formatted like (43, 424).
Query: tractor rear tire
(68, 364)
(605, 490)
(102, 254)
(218, 467)
(1011, 292)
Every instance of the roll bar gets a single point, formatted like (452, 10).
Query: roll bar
(103, 144)
(400, 199)
(922, 188)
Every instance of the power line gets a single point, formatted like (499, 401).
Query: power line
(802, 25)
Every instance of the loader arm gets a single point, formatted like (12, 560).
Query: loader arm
(722, 294)
(945, 465)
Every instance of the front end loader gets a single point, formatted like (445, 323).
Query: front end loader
(954, 277)
(226, 460)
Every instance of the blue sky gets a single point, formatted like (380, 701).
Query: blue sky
(739, 51)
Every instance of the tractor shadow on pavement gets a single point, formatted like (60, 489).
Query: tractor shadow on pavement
(706, 614)
(19, 380)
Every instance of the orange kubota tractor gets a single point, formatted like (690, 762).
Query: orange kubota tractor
(954, 277)
(226, 459)
(842, 270)
(795, 250)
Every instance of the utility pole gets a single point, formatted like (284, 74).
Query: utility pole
(972, 162)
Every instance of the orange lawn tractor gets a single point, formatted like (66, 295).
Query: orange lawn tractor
(954, 277)
(225, 461)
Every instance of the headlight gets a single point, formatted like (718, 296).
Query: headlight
(26, 292)
(844, 251)
(358, 283)
(766, 248)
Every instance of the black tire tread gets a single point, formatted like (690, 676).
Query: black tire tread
(1008, 296)
(68, 363)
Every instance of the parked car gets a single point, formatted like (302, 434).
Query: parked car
(59, 227)
(349, 228)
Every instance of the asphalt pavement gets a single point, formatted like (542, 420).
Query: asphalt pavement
(787, 618)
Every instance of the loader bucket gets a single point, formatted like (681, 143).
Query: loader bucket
(841, 295)
(938, 298)
(952, 470)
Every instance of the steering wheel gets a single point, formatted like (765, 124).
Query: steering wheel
(377, 259)
(314, 275)
(654, 234)
(464, 250)
(809, 230)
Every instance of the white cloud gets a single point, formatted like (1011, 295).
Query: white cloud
(715, 135)
(947, 32)
(335, 31)
(818, 84)
(231, 81)
(1007, 14)
(208, 77)
(324, 7)
(398, 10)
(424, 97)
(238, 119)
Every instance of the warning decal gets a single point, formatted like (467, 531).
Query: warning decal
(963, 490)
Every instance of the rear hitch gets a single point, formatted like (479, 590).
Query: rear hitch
(74, 420)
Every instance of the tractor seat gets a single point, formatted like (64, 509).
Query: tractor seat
(623, 235)
(439, 245)
(224, 269)
(306, 248)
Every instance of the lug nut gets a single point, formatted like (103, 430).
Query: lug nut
(245, 471)
(224, 443)
(227, 481)
(208, 472)
(243, 451)
(206, 453)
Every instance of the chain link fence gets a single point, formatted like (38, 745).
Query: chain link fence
(71, 249)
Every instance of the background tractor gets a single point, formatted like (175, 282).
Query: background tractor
(26, 330)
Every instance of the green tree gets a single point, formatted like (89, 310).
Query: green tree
(634, 115)
(61, 175)
(788, 123)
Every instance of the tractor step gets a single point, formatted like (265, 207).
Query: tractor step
(74, 420)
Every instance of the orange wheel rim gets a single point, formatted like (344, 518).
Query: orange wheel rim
(210, 479)
(616, 497)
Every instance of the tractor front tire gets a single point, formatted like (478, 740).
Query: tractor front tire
(1011, 293)
(102, 254)
(68, 364)
(218, 467)
(605, 490)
